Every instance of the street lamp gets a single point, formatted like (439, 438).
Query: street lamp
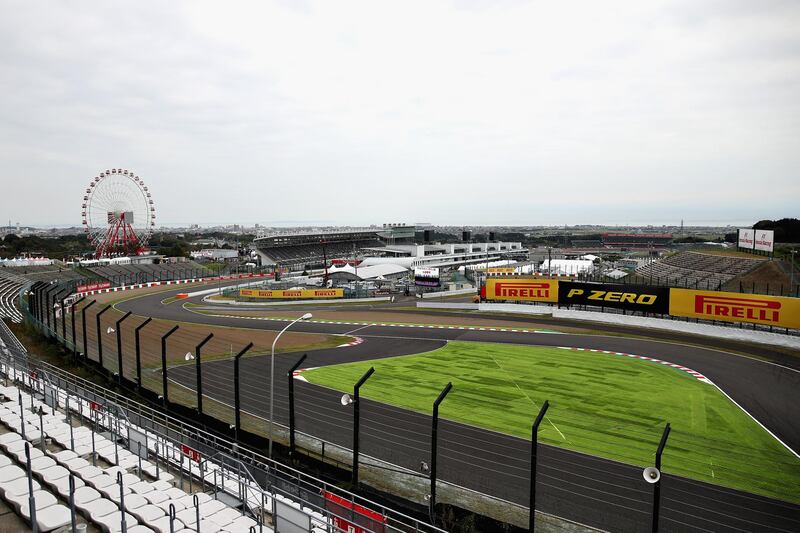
(272, 376)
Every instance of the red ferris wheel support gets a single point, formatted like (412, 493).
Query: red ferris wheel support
(120, 238)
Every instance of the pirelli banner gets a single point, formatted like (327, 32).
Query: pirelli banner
(736, 307)
(292, 294)
(523, 290)
(633, 298)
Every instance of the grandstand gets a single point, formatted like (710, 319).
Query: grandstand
(10, 285)
(696, 269)
(636, 240)
(143, 273)
(44, 273)
(304, 249)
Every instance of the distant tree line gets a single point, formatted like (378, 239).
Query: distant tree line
(786, 229)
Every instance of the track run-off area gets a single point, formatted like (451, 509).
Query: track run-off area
(584, 483)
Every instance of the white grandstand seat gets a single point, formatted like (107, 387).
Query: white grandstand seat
(112, 522)
(161, 525)
(140, 529)
(99, 507)
(17, 486)
(42, 499)
(84, 496)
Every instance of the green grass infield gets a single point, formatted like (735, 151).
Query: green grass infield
(606, 405)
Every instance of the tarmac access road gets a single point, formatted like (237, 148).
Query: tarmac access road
(590, 490)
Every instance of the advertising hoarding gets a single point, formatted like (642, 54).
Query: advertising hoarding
(93, 286)
(523, 290)
(361, 519)
(764, 240)
(634, 298)
(291, 294)
(735, 307)
(746, 238)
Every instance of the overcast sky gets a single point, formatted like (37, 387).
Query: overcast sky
(475, 112)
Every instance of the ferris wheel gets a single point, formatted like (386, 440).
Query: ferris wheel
(118, 213)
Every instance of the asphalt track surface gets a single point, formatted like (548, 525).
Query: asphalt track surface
(591, 490)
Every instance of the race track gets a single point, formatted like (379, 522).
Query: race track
(590, 490)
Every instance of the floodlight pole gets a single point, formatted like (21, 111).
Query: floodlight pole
(138, 352)
(290, 376)
(99, 337)
(74, 342)
(198, 373)
(356, 403)
(119, 346)
(85, 340)
(165, 393)
(657, 484)
(534, 450)
(236, 399)
(434, 439)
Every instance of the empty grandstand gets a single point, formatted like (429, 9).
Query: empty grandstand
(299, 250)
(10, 285)
(636, 240)
(143, 273)
(696, 269)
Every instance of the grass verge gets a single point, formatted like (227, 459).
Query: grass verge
(598, 406)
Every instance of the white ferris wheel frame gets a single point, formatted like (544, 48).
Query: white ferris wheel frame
(97, 233)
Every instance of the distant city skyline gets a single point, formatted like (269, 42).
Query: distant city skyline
(351, 113)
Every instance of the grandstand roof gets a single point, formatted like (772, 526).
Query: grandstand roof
(320, 233)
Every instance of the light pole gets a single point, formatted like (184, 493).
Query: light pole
(355, 400)
(272, 376)
(792, 267)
